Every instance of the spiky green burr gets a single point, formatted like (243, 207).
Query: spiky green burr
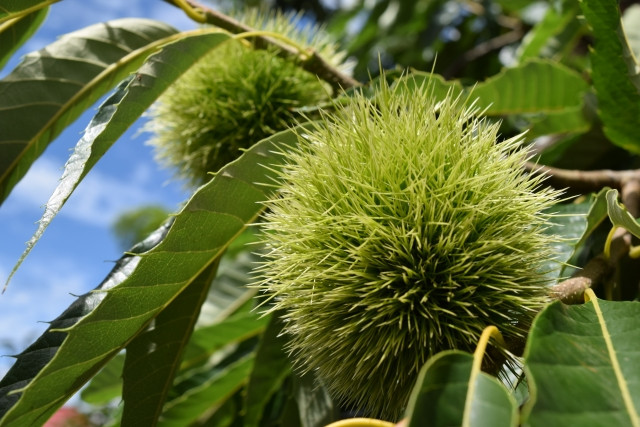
(234, 97)
(402, 228)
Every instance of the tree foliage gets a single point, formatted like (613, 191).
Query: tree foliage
(175, 333)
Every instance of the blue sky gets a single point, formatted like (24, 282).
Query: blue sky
(78, 249)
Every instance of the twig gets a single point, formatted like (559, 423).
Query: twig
(310, 61)
(580, 182)
(600, 269)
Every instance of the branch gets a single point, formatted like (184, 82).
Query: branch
(310, 61)
(580, 182)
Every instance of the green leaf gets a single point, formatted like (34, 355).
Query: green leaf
(574, 222)
(213, 393)
(50, 88)
(39, 354)
(315, 406)
(554, 36)
(12, 9)
(619, 215)
(440, 87)
(536, 86)
(107, 384)
(214, 216)
(16, 31)
(153, 357)
(582, 365)
(133, 96)
(440, 395)
(270, 370)
(614, 73)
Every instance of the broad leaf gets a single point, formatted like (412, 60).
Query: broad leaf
(619, 215)
(215, 215)
(107, 384)
(133, 96)
(12, 9)
(316, 408)
(153, 357)
(50, 88)
(269, 371)
(582, 365)
(534, 87)
(16, 31)
(614, 71)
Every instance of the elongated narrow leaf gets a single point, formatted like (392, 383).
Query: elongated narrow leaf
(16, 31)
(582, 365)
(133, 96)
(440, 395)
(619, 215)
(534, 87)
(153, 357)
(269, 371)
(554, 36)
(107, 384)
(50, 88)
(213, 393)
(615, 75)
(209, 222)
(40, 353)
(12, 9)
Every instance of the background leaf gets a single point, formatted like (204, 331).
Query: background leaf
(582, 365)
(614, 71)
(619, 215)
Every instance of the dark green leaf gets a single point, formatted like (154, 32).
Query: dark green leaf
(582, 365)
(270, 370)
(215, 215)
(50, 88)
(31, 361)
(615, 74)
(210, 395)
(315, 406)
(153, 357)
(16, 31)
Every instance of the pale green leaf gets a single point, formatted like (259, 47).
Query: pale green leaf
(619, 215)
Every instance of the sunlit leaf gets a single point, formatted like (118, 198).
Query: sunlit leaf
(619, 215)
